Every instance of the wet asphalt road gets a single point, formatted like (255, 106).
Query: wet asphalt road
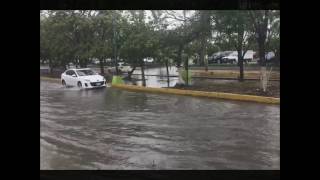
(117, 129)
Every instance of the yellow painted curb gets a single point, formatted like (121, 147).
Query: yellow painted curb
(230, 96)
(50, 79)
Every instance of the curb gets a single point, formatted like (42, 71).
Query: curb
(229, 96)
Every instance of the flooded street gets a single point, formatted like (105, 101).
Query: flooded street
(117, 129)
(161, 79)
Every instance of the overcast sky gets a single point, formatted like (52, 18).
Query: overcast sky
(172, 22)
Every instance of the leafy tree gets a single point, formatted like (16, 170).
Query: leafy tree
(81, 32)
(234, 28)
(140, 42)
(204, 29)
(54, 43)
(260, 20)
(273, 38)
(165, 46)
(79, 36)
(101, 48)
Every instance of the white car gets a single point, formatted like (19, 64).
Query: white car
(82, 78)
(232, 59)
(148, 60)
(124, 67)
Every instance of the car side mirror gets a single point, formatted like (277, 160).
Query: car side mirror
(73, 75)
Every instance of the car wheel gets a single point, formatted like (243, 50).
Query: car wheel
(64, 83)
(79, 84)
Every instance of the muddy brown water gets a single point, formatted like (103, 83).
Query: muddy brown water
(116, 129)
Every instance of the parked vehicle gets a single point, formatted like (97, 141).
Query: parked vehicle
(148, 60)
(215, 58)
(82, 78)
(231, 58)
(249, 56)
(269, 57)
(124, 67)
(96, 62)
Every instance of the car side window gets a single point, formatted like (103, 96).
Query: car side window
(70, 72)
(73, 73)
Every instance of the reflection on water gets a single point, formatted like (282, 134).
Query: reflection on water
(116, 129)
(158, 81)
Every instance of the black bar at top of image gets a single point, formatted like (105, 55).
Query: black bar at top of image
(159, 4)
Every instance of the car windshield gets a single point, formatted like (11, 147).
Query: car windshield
(86, 72)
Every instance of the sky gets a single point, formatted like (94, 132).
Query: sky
(172, 22)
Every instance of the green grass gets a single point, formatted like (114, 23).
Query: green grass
(117, 80)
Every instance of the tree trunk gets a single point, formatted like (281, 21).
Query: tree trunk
(142, 73)
(198, 60)
(205, 33)
(261, 29)
(81, 63)
(240, 61)
(168, 78)
(131, 72)
(187, 71)
(262, 59)
(77, 63)
(240, 40)
(101, 66)
(263, 78)
(116, 66)
(277, 57)
(206, 63)
(263, 73)
(179, 56)
(62, 64)
(202, 50)
(65, 66)
(50, 67)
(85, 63)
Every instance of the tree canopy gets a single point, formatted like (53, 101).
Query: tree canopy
(80, 36)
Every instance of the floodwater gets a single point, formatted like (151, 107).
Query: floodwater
(161, 79)
(117, 129)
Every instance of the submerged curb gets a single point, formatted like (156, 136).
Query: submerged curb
(230, 96)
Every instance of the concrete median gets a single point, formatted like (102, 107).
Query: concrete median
(220, 95)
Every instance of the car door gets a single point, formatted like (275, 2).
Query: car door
(66, 77)
(69, 79)
(73, 80)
